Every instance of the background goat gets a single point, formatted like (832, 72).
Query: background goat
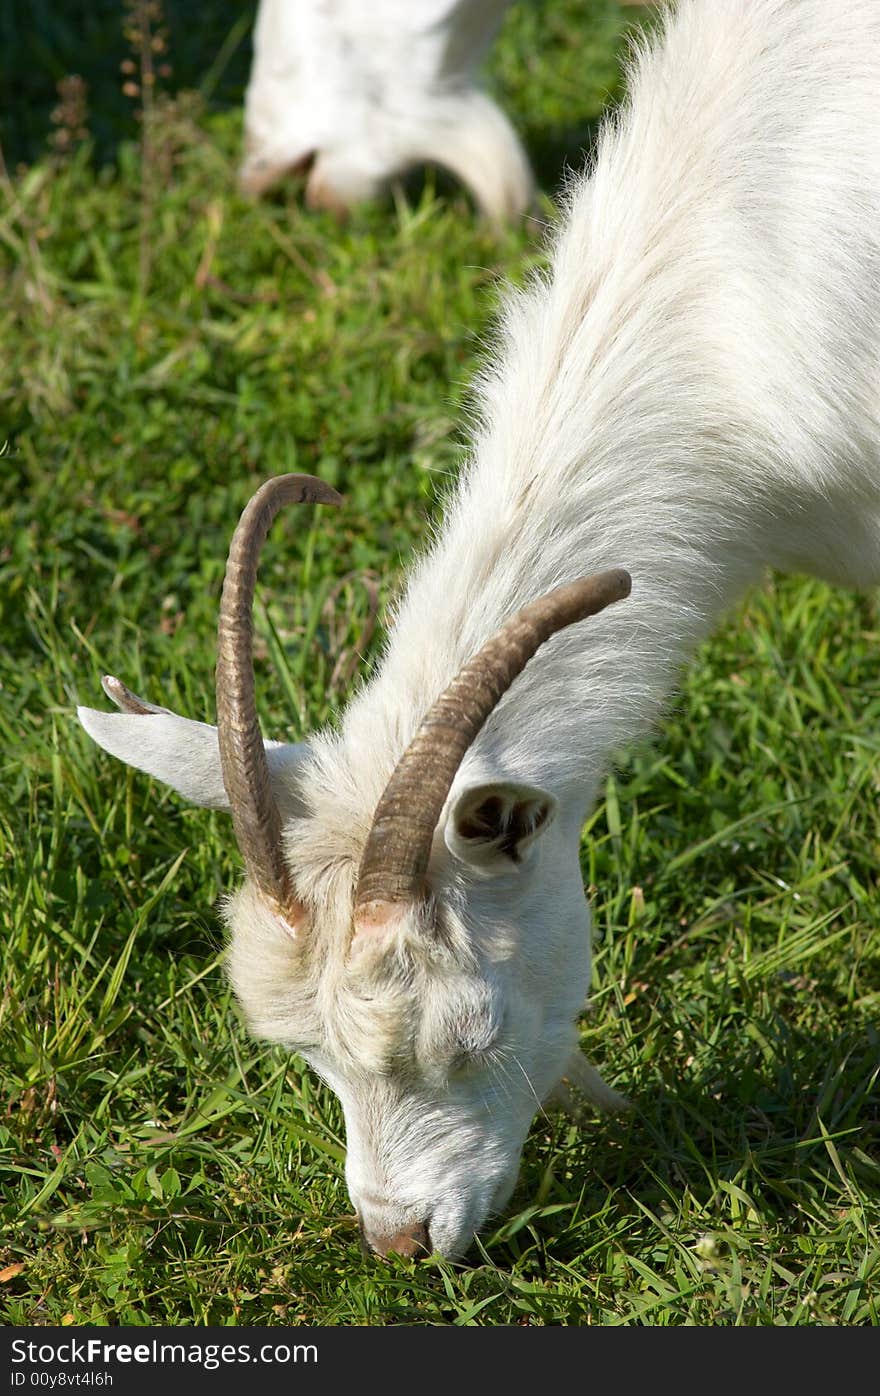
(691, 392)
(361, 93)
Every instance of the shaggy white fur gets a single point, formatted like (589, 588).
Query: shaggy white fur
(692, 392)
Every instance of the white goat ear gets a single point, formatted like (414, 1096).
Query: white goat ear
(176, 750)
(492, 826)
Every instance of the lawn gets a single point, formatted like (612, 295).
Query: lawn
(166, 347)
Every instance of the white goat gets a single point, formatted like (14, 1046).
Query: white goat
(361, 92)
(692, 391)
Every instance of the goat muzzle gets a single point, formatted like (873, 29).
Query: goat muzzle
(412, 1242)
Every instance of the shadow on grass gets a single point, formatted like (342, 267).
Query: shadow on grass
(781, 1122)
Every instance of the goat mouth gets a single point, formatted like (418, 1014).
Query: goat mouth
(411, 1242)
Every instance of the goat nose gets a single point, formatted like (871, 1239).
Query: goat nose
(412, 1241)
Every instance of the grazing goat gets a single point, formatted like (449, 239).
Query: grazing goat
(358, 93)
(692, 391)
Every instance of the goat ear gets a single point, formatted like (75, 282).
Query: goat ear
(493, 826)
(176, 750)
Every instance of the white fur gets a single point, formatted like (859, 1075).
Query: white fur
(364, 91)
(692, 392)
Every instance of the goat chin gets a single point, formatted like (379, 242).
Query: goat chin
(690, 392)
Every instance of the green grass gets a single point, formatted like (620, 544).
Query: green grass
(166, 347)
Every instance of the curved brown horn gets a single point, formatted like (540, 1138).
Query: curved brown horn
(255, 816)
(395, 859)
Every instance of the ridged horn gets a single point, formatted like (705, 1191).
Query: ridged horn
(395, 859)
(255, 816)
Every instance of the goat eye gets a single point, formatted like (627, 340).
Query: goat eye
(472, 1037)
(470, 1059)
(464, 1063)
